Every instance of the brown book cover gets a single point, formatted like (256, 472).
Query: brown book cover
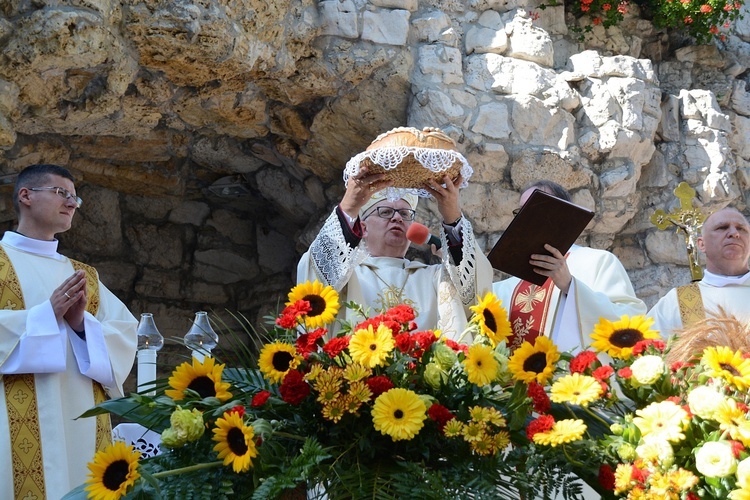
(543, 219)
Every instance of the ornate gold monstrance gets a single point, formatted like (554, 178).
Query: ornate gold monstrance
(689, 220)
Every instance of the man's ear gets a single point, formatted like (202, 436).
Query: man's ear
(363, 225)
(24, 196)
(700, 245)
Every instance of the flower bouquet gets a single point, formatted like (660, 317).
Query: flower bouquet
(381, 410)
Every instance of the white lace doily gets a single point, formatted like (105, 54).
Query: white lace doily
(389, 158)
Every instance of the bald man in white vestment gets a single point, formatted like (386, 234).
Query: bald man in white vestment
(65, 341)
(725, 242)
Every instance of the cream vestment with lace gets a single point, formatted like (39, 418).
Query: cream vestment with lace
(439, 293)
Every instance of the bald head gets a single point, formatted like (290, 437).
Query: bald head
(725, 240)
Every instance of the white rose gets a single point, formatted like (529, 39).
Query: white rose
(743, 473)
(715, 459)
(656, 450)
(647, 369)
(704, 401)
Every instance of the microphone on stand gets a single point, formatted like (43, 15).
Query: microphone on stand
(420, 234)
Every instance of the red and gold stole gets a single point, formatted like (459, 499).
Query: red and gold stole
(690, 301)
(529, 310)
(20, 393)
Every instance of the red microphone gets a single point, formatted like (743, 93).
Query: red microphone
(420, 234)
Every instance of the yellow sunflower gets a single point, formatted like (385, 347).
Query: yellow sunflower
(564, 431)
(576, 389)
(534, 363)
(480, 364)
(324, 301)
(492, 319)
(370, 348)
(202, 377)
(113, 471)
(721, 361)
(399, 413)
(235, 441)
(618, 338)
(276, 359)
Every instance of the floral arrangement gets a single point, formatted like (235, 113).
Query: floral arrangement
(375, 408)
(702, 20)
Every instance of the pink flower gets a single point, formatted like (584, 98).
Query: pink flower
(606, 7)
(597, 21)
(706, 9)
(688, 20)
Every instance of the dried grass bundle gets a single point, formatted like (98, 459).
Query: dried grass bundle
(721, 329)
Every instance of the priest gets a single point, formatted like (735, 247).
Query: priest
(725, 286)
(65, 343)
(360, 251)
(583, 286)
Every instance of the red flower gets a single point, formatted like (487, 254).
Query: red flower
(688, 20)
(541, 424)
(713, 30)
(638, 475)
(597, 21)
(456, 346)
(692, 496)
(287, 321)
(404, 342)
(737, 448)
(260, 399)
(675, 399)
(606, 7)
(706, 9)
(440, 414)
(585, 8)
(239, 410)
(401, 313)
(742, 406)
(607, 477)
(603, 373)
(582, 361)
(625, 372)
(540, 399)
(641, 346)
(307, 343)
(424, 340)
(378, 385)
(294, 389)
(622, 8)
(334, 346)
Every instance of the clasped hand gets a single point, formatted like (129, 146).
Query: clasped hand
(69, 300)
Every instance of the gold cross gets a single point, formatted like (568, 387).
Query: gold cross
(689, 220)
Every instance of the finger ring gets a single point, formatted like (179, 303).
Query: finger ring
(68, 296)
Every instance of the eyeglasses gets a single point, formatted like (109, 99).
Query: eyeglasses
(388, 213)
(62, 193)
(515, 211)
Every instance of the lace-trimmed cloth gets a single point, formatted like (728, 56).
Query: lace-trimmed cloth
(410, 167)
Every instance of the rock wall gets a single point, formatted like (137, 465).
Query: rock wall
(209, 136)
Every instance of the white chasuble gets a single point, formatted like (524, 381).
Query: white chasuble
(35, 347)
(730, 293)
(600, 288)
(440, 293)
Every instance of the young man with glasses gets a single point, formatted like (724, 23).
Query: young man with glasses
(360, 251)
(65, 339)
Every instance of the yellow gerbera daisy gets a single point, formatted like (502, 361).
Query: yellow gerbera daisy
(730, 365)
(618, 338)
(335, 410)
(324, 301)
(501, 441)
(683, 479)
(483, 446)
(480, 364)
(360, 391)
(355, 371)
(473, 431)
(399, 413)
(534, 363)
(564, 431)
(663, 420)
(202, 377)
(623, 478)
(113, 471)
(276, 359)
(235, 442)
(371, 348)
(576, 389)
(492, 318)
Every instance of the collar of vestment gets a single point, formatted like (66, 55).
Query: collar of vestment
(30, 245)
(382, 262)
(718, 280)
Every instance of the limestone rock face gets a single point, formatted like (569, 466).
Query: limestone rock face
(208, 137)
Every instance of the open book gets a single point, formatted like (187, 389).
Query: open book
(543, 219)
